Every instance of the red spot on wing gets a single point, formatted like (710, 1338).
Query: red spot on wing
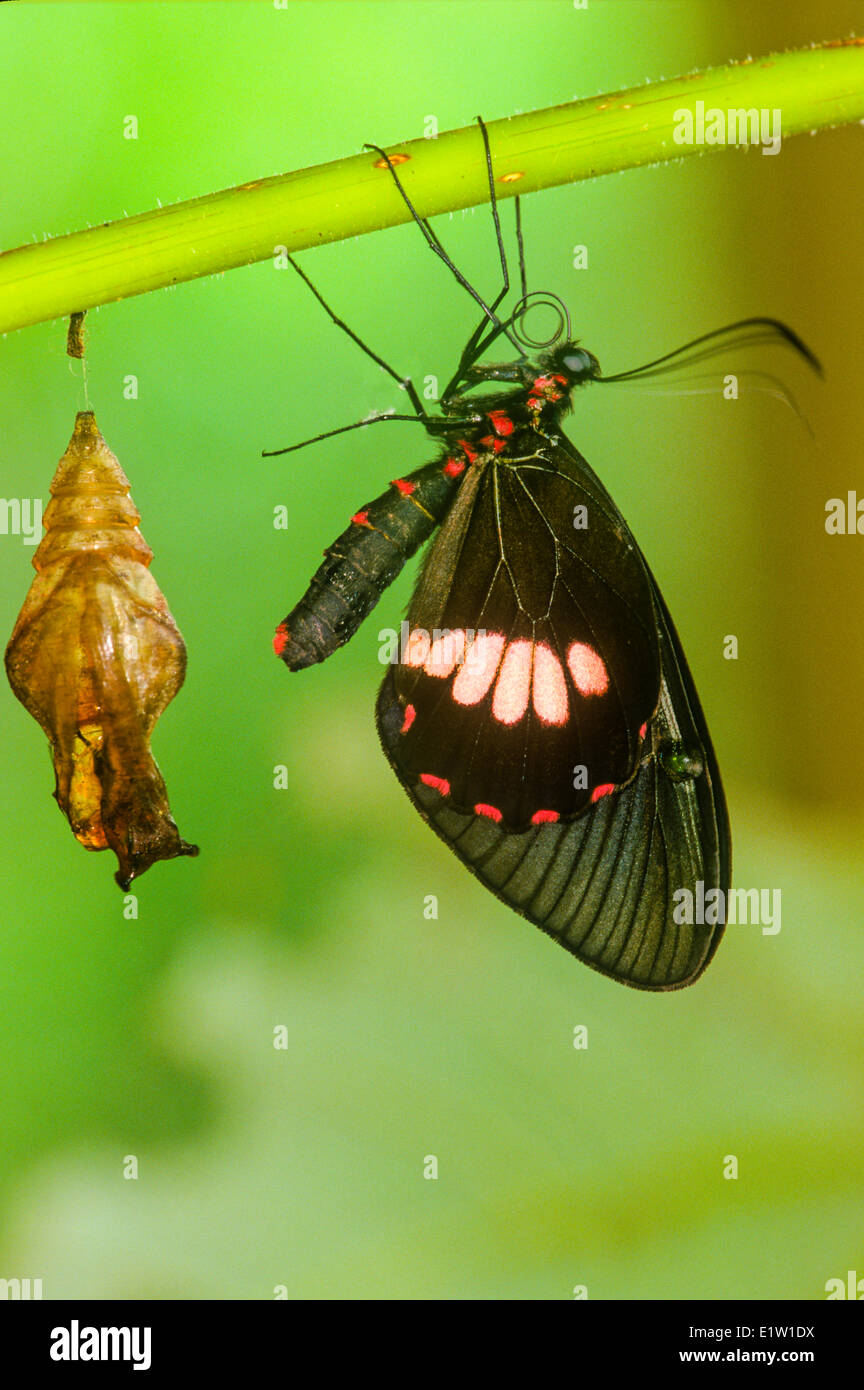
(544, 817)
(280, 641)
(588, 669)
(477, 671)
(416, 648)
(404, 487)
(469, 452)
(445, 653)
(643, 731)
(549, 686)
(491, 812)
(501, 422)
(410, 716)
(360, 519)
(453, 467)
(439, 784)
(514, 683)
(605, 790)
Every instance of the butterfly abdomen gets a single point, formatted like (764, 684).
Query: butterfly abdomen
(364, 560)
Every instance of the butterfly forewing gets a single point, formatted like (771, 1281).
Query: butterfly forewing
(532, 666)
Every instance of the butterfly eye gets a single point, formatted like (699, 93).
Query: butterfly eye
(579, 362)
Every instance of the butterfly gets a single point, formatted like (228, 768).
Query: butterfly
(539, 710)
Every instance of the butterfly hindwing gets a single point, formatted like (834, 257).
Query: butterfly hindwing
(605, 883)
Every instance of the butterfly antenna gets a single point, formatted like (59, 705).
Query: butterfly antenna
(774, 387)
(744, 333)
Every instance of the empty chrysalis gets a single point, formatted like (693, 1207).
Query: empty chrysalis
(96, 657)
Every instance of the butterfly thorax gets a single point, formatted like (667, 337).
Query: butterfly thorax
(541, 392)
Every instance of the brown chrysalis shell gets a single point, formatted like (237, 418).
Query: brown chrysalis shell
(96, 657)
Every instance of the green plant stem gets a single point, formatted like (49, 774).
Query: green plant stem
(813, 88)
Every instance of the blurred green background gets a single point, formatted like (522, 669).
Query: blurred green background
(303, 1167)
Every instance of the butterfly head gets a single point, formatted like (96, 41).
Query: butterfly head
(552, 378)
(574, 363)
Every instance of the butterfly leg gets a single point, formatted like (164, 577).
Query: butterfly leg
(404, 381)
(435, 244)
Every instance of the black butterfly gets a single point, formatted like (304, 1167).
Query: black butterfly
(540, 712)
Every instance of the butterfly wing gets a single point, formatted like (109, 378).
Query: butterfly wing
(532, 666)
(603, 871)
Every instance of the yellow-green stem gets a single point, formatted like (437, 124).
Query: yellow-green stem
(813, 88)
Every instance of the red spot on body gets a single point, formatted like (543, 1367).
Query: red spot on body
(404, 487)
(501, 422)
(410, 716)
(438, 784)
(453, 467)
(544, 817)
(360, 519)
(490, 442)
(605, 790)
(587, 669)
(491, 812)
(280, 641)
(394, 158)
(544, 386)
(469, 452)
